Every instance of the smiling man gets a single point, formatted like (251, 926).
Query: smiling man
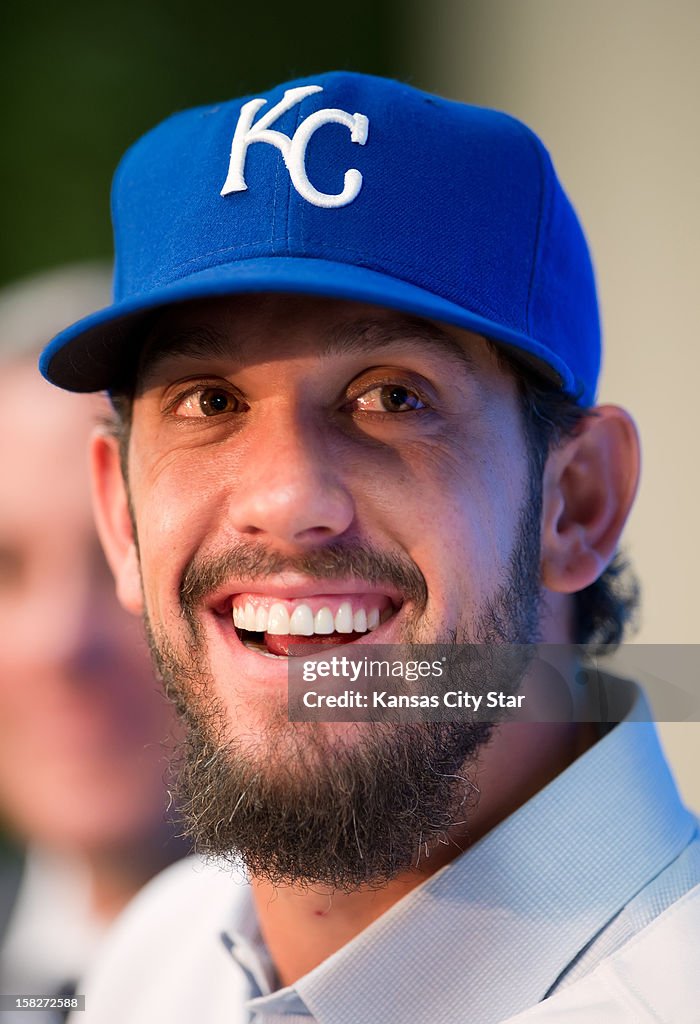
(353, 356)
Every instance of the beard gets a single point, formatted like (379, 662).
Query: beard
(301, 805)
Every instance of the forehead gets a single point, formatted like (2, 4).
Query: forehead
(264, 328)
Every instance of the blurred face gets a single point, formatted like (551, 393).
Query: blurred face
(80, 715)
(330, 471)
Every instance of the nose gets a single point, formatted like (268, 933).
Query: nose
(291, 489)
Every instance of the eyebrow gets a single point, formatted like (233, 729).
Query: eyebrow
(368, 335)
(357, 336)
(200, 342)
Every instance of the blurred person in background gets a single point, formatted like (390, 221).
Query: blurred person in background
(82, 792)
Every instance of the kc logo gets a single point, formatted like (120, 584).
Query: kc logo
(294, 150)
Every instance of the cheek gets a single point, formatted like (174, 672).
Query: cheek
(460, 506)
(180, 504)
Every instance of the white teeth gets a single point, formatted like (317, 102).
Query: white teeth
(278, 620)
(302, 621)
(323, 621)
(360, 621)
(343, 618)
(249, 622)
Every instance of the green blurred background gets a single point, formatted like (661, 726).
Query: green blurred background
(79, 82)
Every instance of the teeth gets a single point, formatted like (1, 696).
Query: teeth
(323, 621)
(343, 618)
(302, 621)
(249, 622)
(360, 621)
(278, 620)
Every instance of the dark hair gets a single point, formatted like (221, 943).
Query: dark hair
(605, 610)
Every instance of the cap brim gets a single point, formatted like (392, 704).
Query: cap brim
(98, 352)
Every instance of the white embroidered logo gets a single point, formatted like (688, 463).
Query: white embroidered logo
(294, 150)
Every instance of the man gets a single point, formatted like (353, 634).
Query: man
(353, 354)
(82, 723)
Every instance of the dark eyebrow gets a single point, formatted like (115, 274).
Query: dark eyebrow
(204, 341)
(368, 335)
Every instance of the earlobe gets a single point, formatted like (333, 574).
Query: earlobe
(589, 486)
(113, 519)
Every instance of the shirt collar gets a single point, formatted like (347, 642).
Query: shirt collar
(490, 933)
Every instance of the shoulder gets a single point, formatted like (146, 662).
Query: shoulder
(187, 885)
(652, 979)
(165, 959)
(11, 869)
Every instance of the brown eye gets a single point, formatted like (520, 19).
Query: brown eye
(389, 398)
(398, 399)
(213, 401)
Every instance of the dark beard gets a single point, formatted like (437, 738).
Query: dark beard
(318, 810)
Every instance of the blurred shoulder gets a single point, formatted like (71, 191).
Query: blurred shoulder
(193, 883)
(11, 873)
(165, 959)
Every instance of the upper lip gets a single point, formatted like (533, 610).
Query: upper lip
(291, 587)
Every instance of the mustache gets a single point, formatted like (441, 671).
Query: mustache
(254, 563)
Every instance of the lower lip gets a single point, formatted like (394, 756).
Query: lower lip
(262, 670)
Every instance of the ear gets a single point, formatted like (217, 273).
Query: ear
(114, 526)
(589, 485)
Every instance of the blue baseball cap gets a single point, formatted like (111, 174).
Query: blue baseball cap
(354, 187)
